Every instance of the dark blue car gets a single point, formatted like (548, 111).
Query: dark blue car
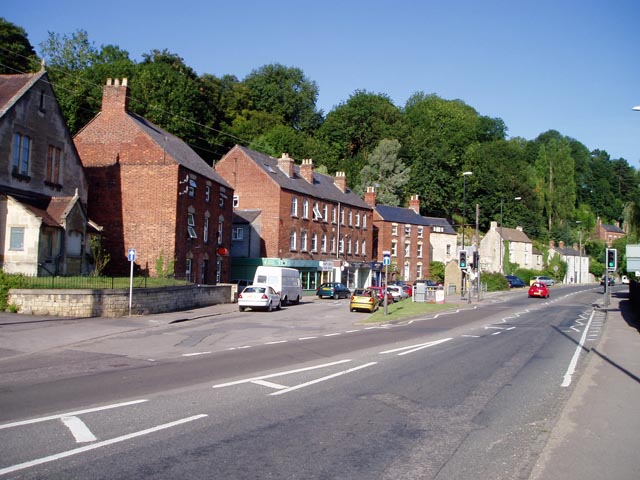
(514, 282)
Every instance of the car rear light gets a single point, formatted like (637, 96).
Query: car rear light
(264, 296)
(371, 300)
(239, 295)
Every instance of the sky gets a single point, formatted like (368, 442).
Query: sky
(566, 65)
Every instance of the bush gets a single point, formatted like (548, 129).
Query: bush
(7, 282)
(494, 281)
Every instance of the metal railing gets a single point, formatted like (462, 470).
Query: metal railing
(95, 283)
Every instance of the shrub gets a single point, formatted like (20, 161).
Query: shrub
(7, 282)
(494, 281)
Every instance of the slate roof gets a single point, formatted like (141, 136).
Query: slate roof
(612, 228)
(401, 215)
(182, 153)
(514, 235)
(567, 251)
(440, 222)
(245, 216)
(322, 188)
(13, 87)
(52, 213)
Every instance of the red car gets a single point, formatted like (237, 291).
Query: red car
(539, 289)
(379, 292)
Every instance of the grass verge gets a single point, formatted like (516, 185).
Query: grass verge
(407, 309)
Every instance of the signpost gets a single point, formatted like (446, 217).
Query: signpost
(131, 256)
(386, 261)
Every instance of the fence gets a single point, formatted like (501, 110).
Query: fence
(90, 282)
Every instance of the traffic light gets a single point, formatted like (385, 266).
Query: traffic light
(462, 259)
(612, 259)
(476, 259)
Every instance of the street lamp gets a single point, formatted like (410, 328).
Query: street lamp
(464, 199)
(501, 208)
(580, 251)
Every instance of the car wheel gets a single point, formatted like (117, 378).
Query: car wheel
(279, 307)
(320, 297)
(269, 307)
(296, 301)
(336, 296)
(241, 309)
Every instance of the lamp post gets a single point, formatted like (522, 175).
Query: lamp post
(464, 200)
(579, 252)
(501, 240)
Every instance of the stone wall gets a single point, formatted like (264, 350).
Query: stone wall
(115, 303)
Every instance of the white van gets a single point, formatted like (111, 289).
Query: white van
(285, 281)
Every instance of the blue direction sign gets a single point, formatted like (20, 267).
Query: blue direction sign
(131, 255)
(386, 258)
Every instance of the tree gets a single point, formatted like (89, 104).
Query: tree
(386, 172)
(285, 92)
(16, 52)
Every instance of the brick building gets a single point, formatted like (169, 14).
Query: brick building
(404, 233)
(307, 220)
(43, 188)
(150, 191)
(607, 233)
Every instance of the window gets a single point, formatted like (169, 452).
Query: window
(356, 246)
(21, 151)
(43, 101)
(236, 201)
(407, 230)
(419, 252)
(323, 243)
(237, 233)
(192, 188)
(16, 241)
(221, 201)
(364, 221)
(305, 208)
(220, 229)
(394, 249)
(293, 240)
(54, 159)
(333, 244)
(205, 234)
(341, 245)
(350, 217)
(317, 215)
(357, 219)
(74, 244)
(448, 249)
(294, 206)
(187, 270)
(394, 230)
(325, 212)
(191, 223)
(314, 242)
(303, 241)
(438, 229)
(342, 217)
(333, 215)
(207, 194)
(419, 271)
(349, 247)
(420, 232)
(407, 249)
(364, 248)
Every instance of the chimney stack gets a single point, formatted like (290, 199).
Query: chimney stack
(370, 197)
(340, 181)
(414, 204)
(306, 170)
(285, 163)
(115, 96)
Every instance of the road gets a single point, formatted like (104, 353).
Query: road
(469, 394)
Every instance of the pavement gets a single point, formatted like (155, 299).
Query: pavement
(595, 436)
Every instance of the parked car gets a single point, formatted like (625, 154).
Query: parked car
(624, 280)
(539, 289)
(397, 292)
(408, 289)
(259, 297)
(364, 299)
(514, 282)
(380, 292)
(548, 281)
(333, 290)
(612, 281)
(428, 283)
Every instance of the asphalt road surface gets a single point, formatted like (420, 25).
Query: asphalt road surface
(469, 394)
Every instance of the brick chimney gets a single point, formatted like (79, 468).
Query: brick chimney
(519, 228)
(285, 163)
(306, 170)
(115, 96)
(340, 181)
(414, 204)
(370, 196)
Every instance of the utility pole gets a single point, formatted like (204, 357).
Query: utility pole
(477, 263)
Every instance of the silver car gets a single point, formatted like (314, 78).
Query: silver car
(259, 297)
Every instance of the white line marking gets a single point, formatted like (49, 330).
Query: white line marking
(195, 354)
(78, 429)
(471, 336)
(279, 374)
(415, 348)
(307, 338)
(351, 331)
(70, 414)
(276, 342)
(322, 379)
(496, 333)
(94, 446)
(511, 328)
(575, 329)
(494, 328)
(244, 346)
(574, 360)
(332, 334)
(264, 383)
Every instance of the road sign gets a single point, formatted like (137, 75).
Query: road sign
(386, 260)
(131, 255)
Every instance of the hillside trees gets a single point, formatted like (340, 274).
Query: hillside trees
(16, 52)
(386, 172)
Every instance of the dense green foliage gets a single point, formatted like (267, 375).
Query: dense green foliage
(16, 52)
(7, 282)
(430, 141)
(494, 282)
